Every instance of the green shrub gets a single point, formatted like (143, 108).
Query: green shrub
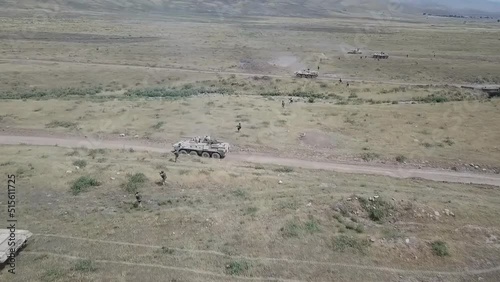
(312, 226)
(344, 242)
(284, 169)
(134, 182)
(369, 156)
(158, 125)
(237, 267)
(378, 209)
(57, 123)
(401, 158)
(52, 93)
(291, 229)
(82, 184)
(440, 248)
(80, 163)
(360, 228)
(84, 266)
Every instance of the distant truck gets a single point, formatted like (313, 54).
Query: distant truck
(12, 244)
(205, 147)
(306, 73)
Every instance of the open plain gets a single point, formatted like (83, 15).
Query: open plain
(152, 80)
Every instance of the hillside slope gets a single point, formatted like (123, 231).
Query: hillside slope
(301, 8)
(297, 8)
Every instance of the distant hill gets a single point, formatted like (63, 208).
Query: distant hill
(301, 8)
(462, 7)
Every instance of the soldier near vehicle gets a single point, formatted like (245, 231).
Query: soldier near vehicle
(163, 177)
(238, 126)
(138, 198)
(176, 154)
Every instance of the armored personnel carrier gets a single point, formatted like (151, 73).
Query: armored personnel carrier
(306, 73)
(7, 247)
(202, 146)
(380, 55)
(355, 51)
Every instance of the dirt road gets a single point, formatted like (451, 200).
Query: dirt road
(390, 171)
(324, 77)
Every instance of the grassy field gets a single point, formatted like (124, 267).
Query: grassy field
(442, 134)
(162, 78)
(52, 51)
(220, 221)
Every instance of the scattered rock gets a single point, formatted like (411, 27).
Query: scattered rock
(310, 204)
(280, 182)
(393, 199)
(136, 136)
(372, 240)
(112, 178)
(122, 135)
(68, 171)
(77, 167)
(446, 211)
(118, 173)
(436, 213)
(349, 199)
(407, 241)
(375, 197)
(452, 214)
(484, 169)
(476, 167)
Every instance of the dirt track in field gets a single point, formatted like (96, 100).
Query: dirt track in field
(355, 168)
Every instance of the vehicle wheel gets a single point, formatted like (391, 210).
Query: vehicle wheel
(216, 156)
(184, 152)
(205, 155)
(193, 153)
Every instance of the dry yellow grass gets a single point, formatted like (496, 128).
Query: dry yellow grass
(212, 214)
(214, 218)
(264, 46)
(449, 134)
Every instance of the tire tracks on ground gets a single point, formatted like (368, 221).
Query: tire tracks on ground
(184, 269)
(291, 261)
(389, 171)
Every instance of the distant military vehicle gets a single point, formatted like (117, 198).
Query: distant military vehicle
(20, 239)
(355, 51)
(306, 73)
(205, 147)
(380, 55)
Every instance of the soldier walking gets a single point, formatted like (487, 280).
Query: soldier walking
(176, 154)
(238, 126)
(282, 103)
(138, 199)
(163, 177)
